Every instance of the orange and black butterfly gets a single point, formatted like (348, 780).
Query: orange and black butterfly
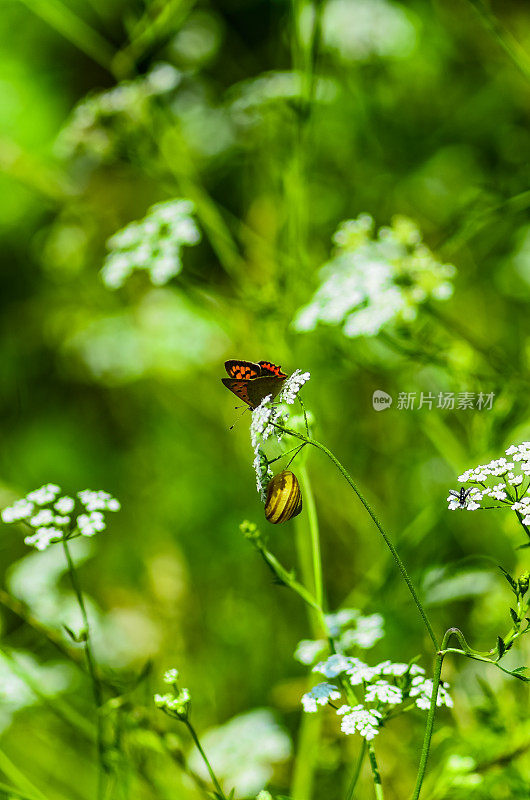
(252, 382)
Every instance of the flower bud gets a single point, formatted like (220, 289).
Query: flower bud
(524, 582)
(284, 498)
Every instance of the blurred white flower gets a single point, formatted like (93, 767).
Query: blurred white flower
(92, 523)
(244, 751)
(45, 521)
(373, 280)
(251, 98)
(153, 244)
(98, 500)
(171, 675)
(308, 650)
(123, 637)
(46, 494)
(366, 632)
(340, 619)
(359, 30)
(44, 517)
(43, 537)
(164, 335)
(64, 505)
(335, 665)
(21, 509)
(100, 119)
(20, 669)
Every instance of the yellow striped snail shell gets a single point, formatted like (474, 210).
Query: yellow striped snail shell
(284, 498)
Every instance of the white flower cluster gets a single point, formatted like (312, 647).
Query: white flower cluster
(100, 121)
(262, 425)
(513, 488)
(320, 695)
(51, 518)
(349, 629)
(171, 676)
(422, 690)
(385, 686)
(260, 430)
(360, 30)
(292, 386)
(153, 244)
(372, 280)
(364, 720)
(177, 704)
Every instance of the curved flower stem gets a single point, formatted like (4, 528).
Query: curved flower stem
(204, 757)
(379, 526)
(437, 673)
(91, 665)
(378, 787)
(357, 771)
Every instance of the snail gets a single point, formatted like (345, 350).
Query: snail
(284, 498)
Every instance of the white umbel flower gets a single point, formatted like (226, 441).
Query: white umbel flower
(319, 695)
(292, 386)
(383, 692)
(360, 719)
(422, 690)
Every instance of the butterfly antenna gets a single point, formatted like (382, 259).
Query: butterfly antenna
(237, 420)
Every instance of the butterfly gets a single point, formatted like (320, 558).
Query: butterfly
(461, 495)
(252, 382)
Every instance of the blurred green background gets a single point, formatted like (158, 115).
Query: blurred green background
(412, 108)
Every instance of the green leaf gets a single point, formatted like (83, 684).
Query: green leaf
(513, 584)
(515, 616)
(501, 646)
(78, 638)
(519, 676)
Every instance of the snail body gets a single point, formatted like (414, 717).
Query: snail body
(284, 498)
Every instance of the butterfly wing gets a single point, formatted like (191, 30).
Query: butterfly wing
(239, 388)
(242, 370)
(268, 368)
(259, 388)
(252, 382)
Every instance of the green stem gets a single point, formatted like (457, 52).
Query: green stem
(357, 771)
(309, 558)
(437, 673)
(91, 665)
(75, 29)
(503, 36)
(314, 535)
(20, 780)
(379, 526)
(378, 788)
(204, 757)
